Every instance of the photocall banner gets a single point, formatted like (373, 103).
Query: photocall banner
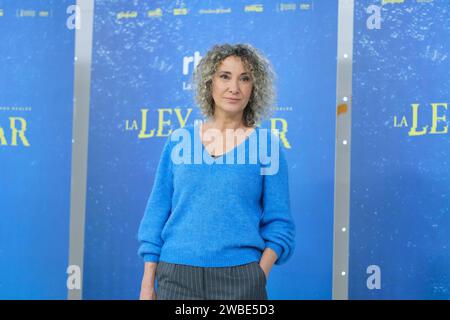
(144, 54)
(400, 177)
(36, 106)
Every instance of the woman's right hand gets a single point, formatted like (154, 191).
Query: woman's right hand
(147, 293)
(148, 282)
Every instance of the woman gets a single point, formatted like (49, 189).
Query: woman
(214, 231)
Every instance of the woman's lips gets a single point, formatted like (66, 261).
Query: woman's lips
(232, 100)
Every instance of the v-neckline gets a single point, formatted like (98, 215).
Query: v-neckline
(199, 134)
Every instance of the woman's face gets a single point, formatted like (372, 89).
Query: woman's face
(232, 86)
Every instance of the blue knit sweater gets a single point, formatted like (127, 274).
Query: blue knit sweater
(216, 213)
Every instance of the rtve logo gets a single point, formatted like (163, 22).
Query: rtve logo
(188, 60)
(189, 65)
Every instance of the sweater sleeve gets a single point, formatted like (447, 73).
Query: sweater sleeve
(158, 208)
(277, 226)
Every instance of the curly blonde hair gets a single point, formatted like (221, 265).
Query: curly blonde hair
(260, 104)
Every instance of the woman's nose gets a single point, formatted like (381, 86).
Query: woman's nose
(234, 87)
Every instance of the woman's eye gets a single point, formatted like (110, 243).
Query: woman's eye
(246, 79)
(224, 76)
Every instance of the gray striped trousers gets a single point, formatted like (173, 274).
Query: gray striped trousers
(182, 282)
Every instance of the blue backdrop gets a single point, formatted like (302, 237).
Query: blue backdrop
(144, 54)
(400, 184)
(143, 58)
(36, 95)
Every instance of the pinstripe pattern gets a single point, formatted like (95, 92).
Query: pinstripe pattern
(182, 282)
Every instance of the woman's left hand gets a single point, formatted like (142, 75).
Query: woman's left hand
(266, 272)
(268, 258)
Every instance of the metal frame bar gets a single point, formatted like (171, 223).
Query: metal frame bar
(82, 84)
(342, 156)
